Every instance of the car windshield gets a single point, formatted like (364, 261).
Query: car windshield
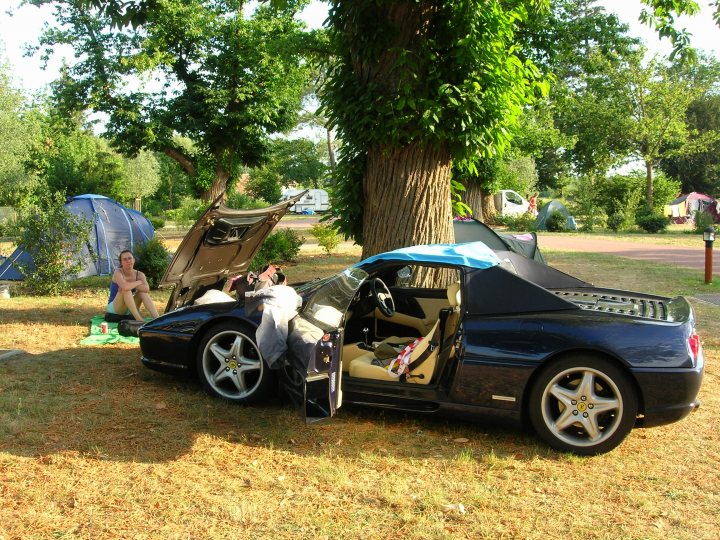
(332, 296)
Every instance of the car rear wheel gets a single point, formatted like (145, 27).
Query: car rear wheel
(583, 404)
(230, 365)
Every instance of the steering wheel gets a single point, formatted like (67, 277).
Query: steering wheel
(382, 297)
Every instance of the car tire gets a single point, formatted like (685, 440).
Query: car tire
(230, 365)
(582, 404)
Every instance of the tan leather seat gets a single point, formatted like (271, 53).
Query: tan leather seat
(453, 297)
(363, 367)
(453, 319)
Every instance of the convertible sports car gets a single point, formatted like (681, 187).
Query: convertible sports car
(443, 329)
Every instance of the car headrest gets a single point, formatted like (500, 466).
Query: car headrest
(453, 294)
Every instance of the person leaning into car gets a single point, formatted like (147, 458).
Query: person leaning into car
(129, 290)
(279, 303)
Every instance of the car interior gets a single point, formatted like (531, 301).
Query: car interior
(395, 308)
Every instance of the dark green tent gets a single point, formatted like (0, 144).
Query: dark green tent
(551, 208)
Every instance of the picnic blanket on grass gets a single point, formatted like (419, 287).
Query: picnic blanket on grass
(96, 336)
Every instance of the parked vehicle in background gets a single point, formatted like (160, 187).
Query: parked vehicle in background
(315, 200)
(510, 203)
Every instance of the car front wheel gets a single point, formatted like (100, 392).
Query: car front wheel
(583, 404)
(230, 365)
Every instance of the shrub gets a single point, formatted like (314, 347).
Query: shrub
(244, 201)
(265, 184)
(653, 224)
(523, 222)
(281, 246)
(584, 202)
(54, 238)
(152, 259)
(616, 221)
(157, 222)
(702, 221)
(188, 212)
(327, 236)
(665, 189)
(556, 222)
(649, 221)
(152, 207)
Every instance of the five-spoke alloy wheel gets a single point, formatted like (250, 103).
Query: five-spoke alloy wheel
(230, 365)
(585, 405)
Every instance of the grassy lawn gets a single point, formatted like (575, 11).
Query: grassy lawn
(94, 446)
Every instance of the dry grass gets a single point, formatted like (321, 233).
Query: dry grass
(93, 445)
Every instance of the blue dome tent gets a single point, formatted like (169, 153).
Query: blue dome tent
(114, 228)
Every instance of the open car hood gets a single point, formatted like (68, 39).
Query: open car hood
(220, 244)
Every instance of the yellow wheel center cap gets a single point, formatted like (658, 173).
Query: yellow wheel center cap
(582, 407)
(233, 365)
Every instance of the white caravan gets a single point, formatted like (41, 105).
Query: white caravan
(315, 200)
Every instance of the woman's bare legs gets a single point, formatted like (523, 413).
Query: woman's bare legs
(144, 298)
(124, 301)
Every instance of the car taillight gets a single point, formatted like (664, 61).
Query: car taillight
(694, 346)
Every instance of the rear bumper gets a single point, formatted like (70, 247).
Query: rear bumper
(669, 395)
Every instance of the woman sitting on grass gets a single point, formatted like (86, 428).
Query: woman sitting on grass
(128, 291)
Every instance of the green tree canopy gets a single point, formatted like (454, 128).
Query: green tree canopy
(415, 85)
(638, 111)
(71, 159)
(198, 68)
(699, 171)
(298, 161)
(142, 178)
(19, 133)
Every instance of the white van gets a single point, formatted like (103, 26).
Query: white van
(315, 200)
(510, 203)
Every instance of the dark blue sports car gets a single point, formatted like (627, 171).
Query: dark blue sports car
(458, 330)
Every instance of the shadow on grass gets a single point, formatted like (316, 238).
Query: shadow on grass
(67, 314)
(101, 402)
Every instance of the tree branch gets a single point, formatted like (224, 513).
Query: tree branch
(186, 163)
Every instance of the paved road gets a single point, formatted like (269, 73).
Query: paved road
(675, 255)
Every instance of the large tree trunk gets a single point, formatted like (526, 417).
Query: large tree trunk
(219, 184)
(480, 202)
(489, 211)
(472, 196)
(407, 198)
(649, 183)
(222, 174)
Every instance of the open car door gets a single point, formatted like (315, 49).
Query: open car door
(313, 372)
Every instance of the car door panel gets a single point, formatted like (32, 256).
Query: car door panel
(323, 393)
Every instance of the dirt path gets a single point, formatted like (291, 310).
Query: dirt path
(675, 255)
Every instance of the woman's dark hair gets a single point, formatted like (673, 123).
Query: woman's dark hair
(279, 278)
